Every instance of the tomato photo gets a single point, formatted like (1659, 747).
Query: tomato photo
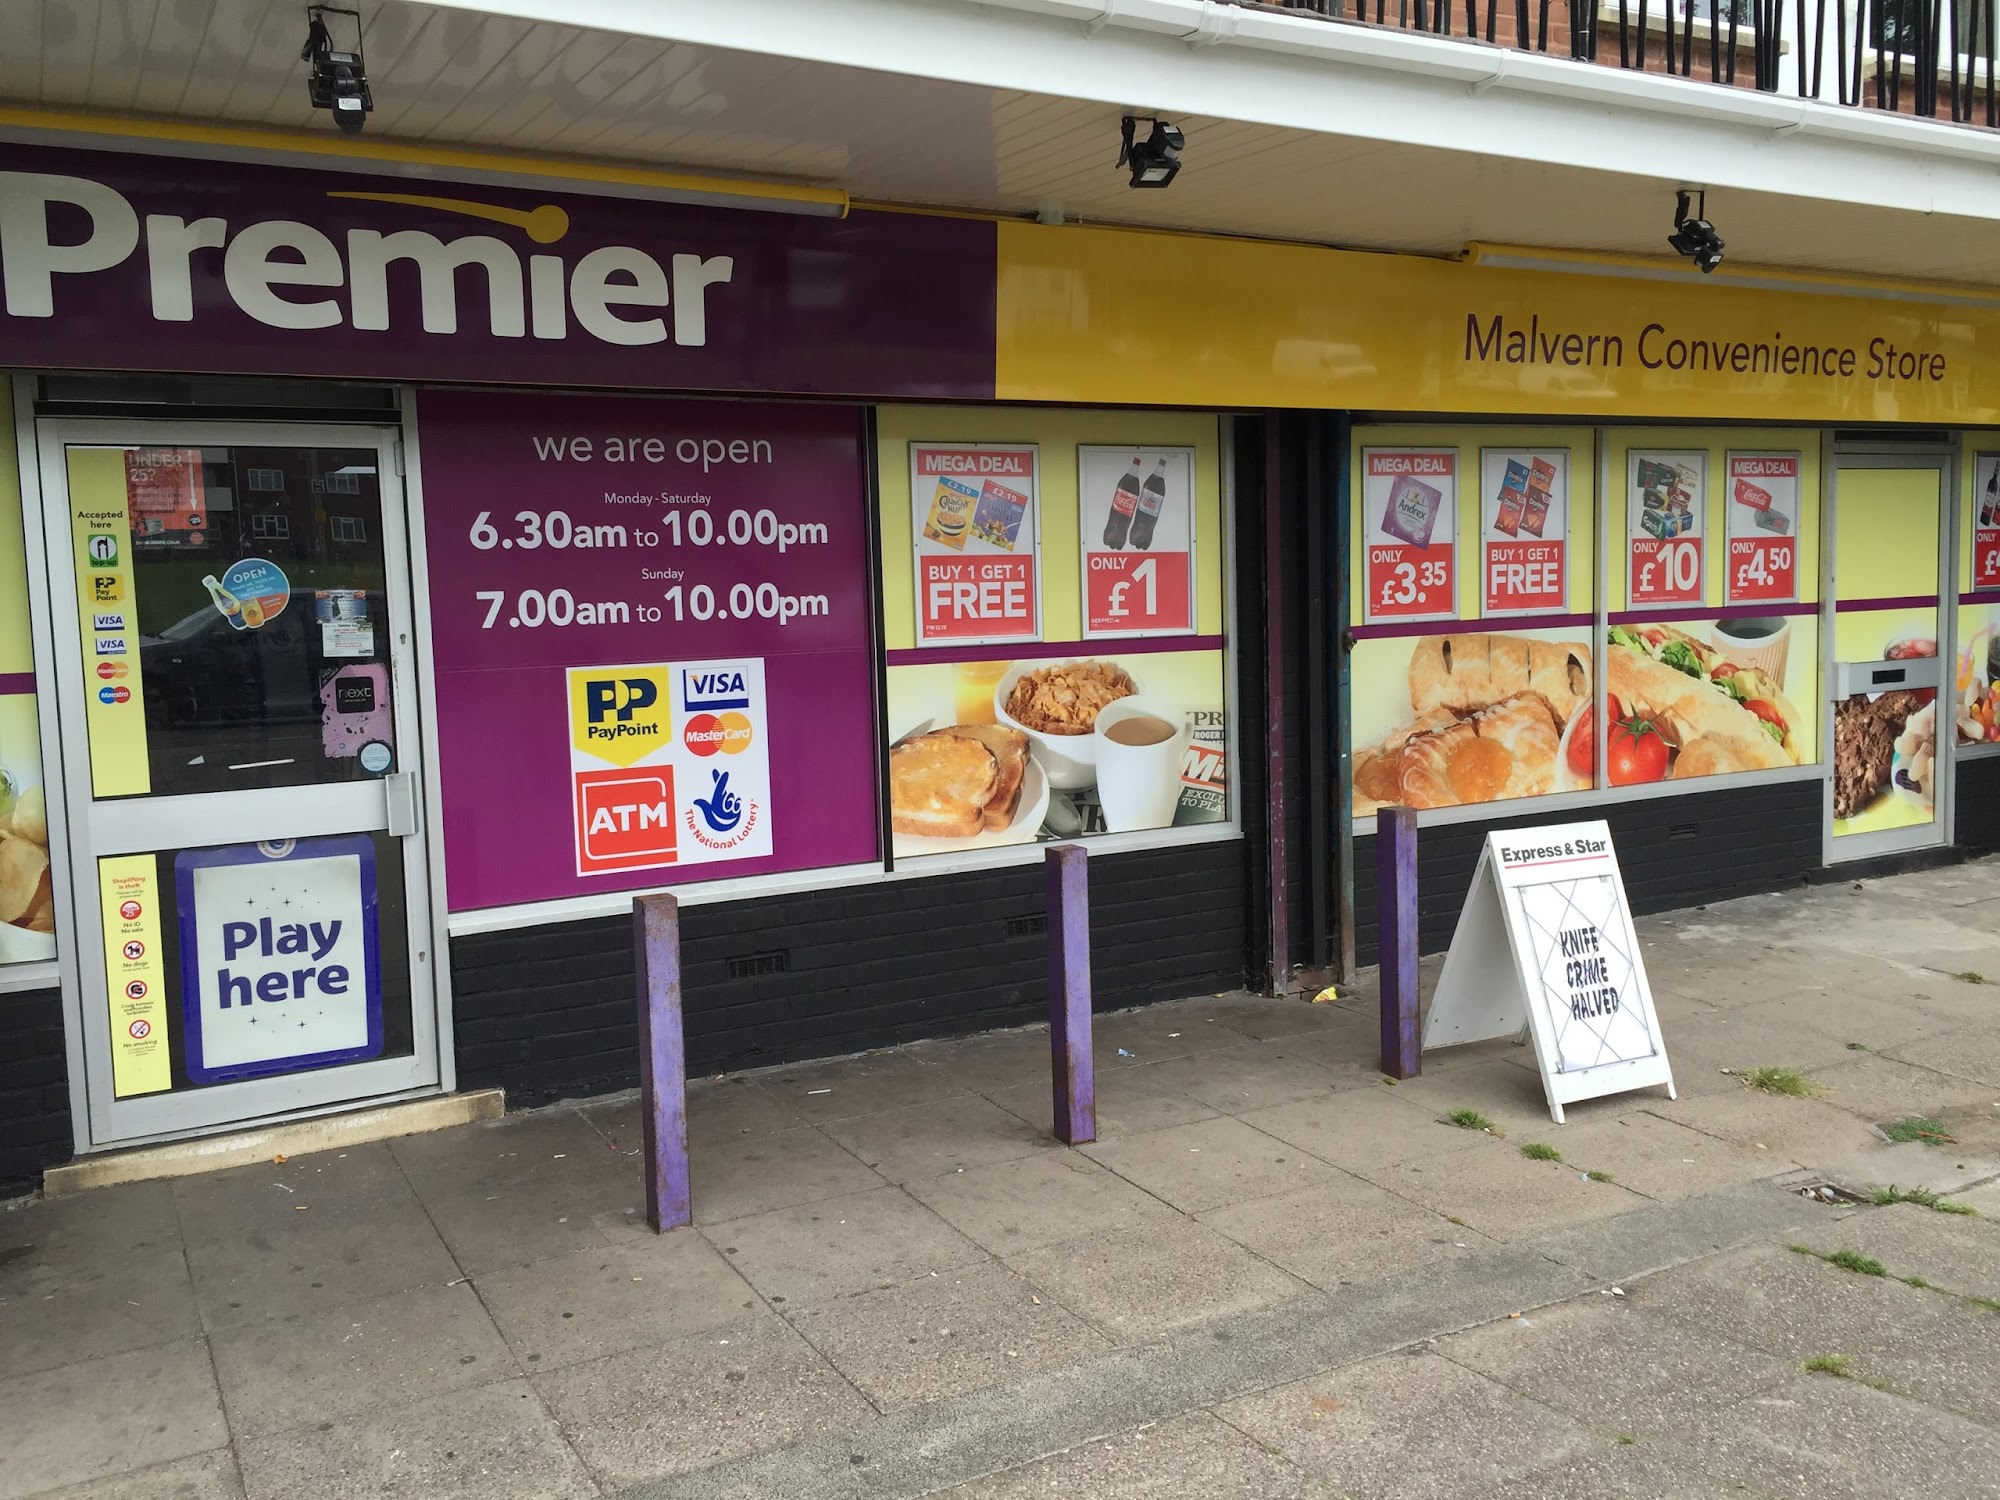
(1583, 739)
(1637, 752)
(1766, 710)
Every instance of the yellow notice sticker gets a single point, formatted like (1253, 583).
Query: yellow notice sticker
(129, 886)
(108, 623)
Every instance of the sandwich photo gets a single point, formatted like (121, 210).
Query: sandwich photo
(1712, 714)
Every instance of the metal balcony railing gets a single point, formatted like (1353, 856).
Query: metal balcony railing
(1928, 58)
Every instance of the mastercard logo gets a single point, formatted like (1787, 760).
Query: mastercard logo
(707, 734)
(111, 670)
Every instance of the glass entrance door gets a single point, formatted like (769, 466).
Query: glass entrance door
(241, 765)
(1891, 771)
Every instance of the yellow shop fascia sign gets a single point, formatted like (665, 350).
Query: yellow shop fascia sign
(1114, 316)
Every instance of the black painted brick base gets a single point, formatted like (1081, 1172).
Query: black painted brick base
(1672, 851)
(34, 1089)
(548, 1012)
(1976, 814)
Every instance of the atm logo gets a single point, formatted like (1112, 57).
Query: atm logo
(620, 714)
(624, 820)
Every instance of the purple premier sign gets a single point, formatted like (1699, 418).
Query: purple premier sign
(629, 592)
(118, 262)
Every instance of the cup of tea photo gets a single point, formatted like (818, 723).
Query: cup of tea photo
(1761, 641)
(1140, 745)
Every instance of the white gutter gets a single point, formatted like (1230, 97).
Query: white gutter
(1203, 58)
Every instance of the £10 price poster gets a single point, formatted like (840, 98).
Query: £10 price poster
(1409, 517)
(1667, 494)
(1762, 503)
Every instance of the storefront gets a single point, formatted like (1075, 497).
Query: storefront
(414, 569)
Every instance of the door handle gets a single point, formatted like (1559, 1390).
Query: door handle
(401, 792)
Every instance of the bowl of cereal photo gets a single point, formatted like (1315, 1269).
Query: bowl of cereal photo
(1056, 703)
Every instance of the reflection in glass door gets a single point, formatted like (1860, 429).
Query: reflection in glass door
(1890, 548)
(238, 719)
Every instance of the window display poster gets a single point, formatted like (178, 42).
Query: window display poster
(168, 496)
(1524, 528)
(1666, 496)
(1137, 510)
(134, 974)
(582, 532)
(1762, 505)
(1409, 507)
(1986, 521)
(107, 623)
(975, 521)
(27, 900)
(1978, 677)
(990, 753)
(280, 956)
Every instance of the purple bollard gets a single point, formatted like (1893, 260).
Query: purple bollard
(656, 952)
(1073, 1071)
(1396, 883)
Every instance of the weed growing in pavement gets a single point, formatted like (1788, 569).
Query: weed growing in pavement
(1919, 1283)
(1787, 1081)
(1469, 1119)
(1924, 1198)
(1985, 1304)
(1828, 1364)
(1455, 1219)
(1857, 1046)
(1596, 1176)
(1541, 1151)
(1919, 1128)
(1855, 1261)
(1626, 1440)
(1971, 976)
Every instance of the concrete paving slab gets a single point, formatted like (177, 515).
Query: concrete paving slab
(326, 1365)
(1502, 1194)
(1209, 1163)
(94, 1230)
(865, 1085)
(1192, 1455)
(1969, 1052)
(1877, 1021)
(1924, 1343)
(1651, 1153)
(1881, 1089)
(992, 1060)
(1035, 1200)
(54, 1313)
(798, 1256)
(1508, 1091)
(1820, 1438)
(87, 1422)
(208, 1476)
(1133, 1038)
(1129, 1100)
(1342, 1231)
(1379, 1126)
(925, 1140)
(1942, 993)
(1373, 1428)
(1958, 1253)
(1913, 1164)
(718, 1110)
(1262, 1017)
(1794, 1132)
(652, 1412)
(755, 1174)
(1611, 1470)
(943, 1334)
(494, 1442)
(1608, 1363)
(1143, 1280)
(641, 1289)
(1236, 1081)
(1741, 1039)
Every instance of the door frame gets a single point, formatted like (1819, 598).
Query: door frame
(100, 1120)
(1944, 458)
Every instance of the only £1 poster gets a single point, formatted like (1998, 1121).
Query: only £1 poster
(977, 531)
(1137, 512)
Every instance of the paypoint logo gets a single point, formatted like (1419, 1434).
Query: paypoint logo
(712, 734)
(620, 714)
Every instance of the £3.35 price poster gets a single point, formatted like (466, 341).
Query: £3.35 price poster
(1762, 503)
(1666, 500)
(1409, 518)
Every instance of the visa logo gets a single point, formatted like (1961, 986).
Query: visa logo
(110, 645)
(714, 689)
(107, 622)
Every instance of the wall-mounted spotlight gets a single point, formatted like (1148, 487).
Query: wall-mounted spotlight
(339, 78)
(1157, 159)
(1693, 235)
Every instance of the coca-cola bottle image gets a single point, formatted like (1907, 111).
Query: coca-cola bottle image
(1124, 503)
(1989, 512)
(1152, 495)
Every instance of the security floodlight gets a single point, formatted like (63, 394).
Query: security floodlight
(1693, 235)
(339, 78)
(1156, 160)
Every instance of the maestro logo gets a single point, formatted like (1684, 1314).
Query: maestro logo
(712, 734)
(620, 714)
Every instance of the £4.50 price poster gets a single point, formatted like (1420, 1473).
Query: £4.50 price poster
(1524, 530)
(1666, 497)
(1409, 516)
(1762, 504)
(1986, 521)
(978, 542)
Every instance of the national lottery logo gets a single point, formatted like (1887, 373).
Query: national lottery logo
(721, 809)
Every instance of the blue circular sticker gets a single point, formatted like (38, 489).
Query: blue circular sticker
(376, 757)
(250, 592)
